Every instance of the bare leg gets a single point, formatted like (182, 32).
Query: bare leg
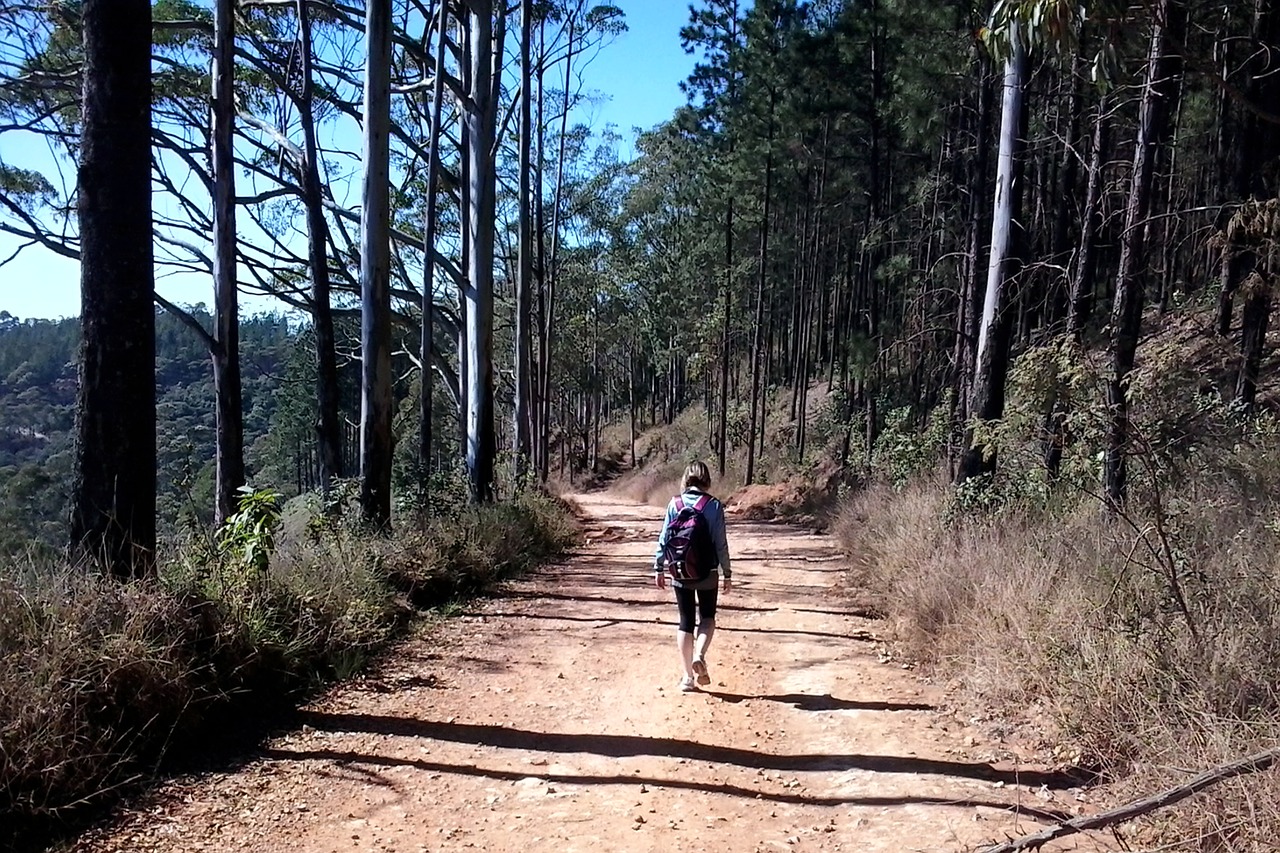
(706, 630)
(684, 640)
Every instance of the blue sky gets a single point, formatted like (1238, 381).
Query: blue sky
(639, 74)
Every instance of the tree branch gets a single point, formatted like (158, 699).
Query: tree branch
(190, 322)
(1252, 764)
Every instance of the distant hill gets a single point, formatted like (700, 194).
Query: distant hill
(37, 418)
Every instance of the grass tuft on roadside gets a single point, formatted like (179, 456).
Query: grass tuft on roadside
(100, 681)
(1149, 637)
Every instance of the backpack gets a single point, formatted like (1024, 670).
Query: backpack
(689, 554)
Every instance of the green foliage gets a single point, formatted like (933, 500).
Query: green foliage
(905, 449)
(31, 190)
(249, 536)
(38, 384)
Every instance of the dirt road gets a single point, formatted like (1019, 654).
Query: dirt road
(550, 720)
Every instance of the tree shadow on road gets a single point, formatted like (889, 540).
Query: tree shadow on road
(825, 702)
(629, 602)
(627, 746)
(790, 797)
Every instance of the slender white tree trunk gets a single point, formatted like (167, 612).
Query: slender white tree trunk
(992, 356)
(328, 422)
(429, 242)
(524, 279)
(481, 121)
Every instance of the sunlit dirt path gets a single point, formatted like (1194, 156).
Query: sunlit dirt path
(549, 720)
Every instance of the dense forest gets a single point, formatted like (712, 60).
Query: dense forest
(37, 419)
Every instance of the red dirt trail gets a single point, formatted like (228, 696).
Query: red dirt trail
(549, 720)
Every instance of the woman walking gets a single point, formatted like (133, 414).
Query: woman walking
(693, 550)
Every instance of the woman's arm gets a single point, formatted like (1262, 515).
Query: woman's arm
(662, 537)
(659, 570)
(721, 537)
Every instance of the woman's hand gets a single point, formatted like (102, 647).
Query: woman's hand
(660, 580)
(726, 585)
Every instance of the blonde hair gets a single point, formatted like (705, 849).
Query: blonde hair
(697, 475)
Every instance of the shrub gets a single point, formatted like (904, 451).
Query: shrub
(1153, 640)
(99, 680)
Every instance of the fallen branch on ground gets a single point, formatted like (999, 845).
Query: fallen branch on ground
(1252, 764)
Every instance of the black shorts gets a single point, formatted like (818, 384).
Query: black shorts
(703, 599)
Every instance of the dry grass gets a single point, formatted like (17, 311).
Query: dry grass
(100, 681)
(797, 489)
(1075, 612)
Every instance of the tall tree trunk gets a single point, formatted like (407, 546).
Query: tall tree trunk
(1080, 301)
(375, 272)
(756, 417)
(1255, 317)
(1067, 191)
(228, 416)
(328, 395)
(1126, 309)
(481, 120)
(552, 270)
(1086, 268)
(1259, 149)
(113, 504)
(631, 401)
(430, 227)
(726, 344)
(542, 382)
(465, 204)
(970, 309)
(524, 277)
(994, 332)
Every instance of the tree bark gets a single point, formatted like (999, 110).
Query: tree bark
(726, 347)
(1082, 280)
(552, 267)
(328, 396)
(524, 278)
(228, 414)
(994, 332)
(1126, 309)
(113, 507)
(431, 225)
(756, 417)
(375, 272)
(481, 121)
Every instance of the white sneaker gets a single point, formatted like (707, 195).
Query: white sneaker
(700, 670)
(687, 685)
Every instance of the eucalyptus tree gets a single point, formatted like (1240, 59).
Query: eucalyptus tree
(431, 220)
(524, 277)
(328, 407)
(991, 356)
(480, 118)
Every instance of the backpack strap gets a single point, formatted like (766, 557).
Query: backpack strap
(702, 502)
(679, 502)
